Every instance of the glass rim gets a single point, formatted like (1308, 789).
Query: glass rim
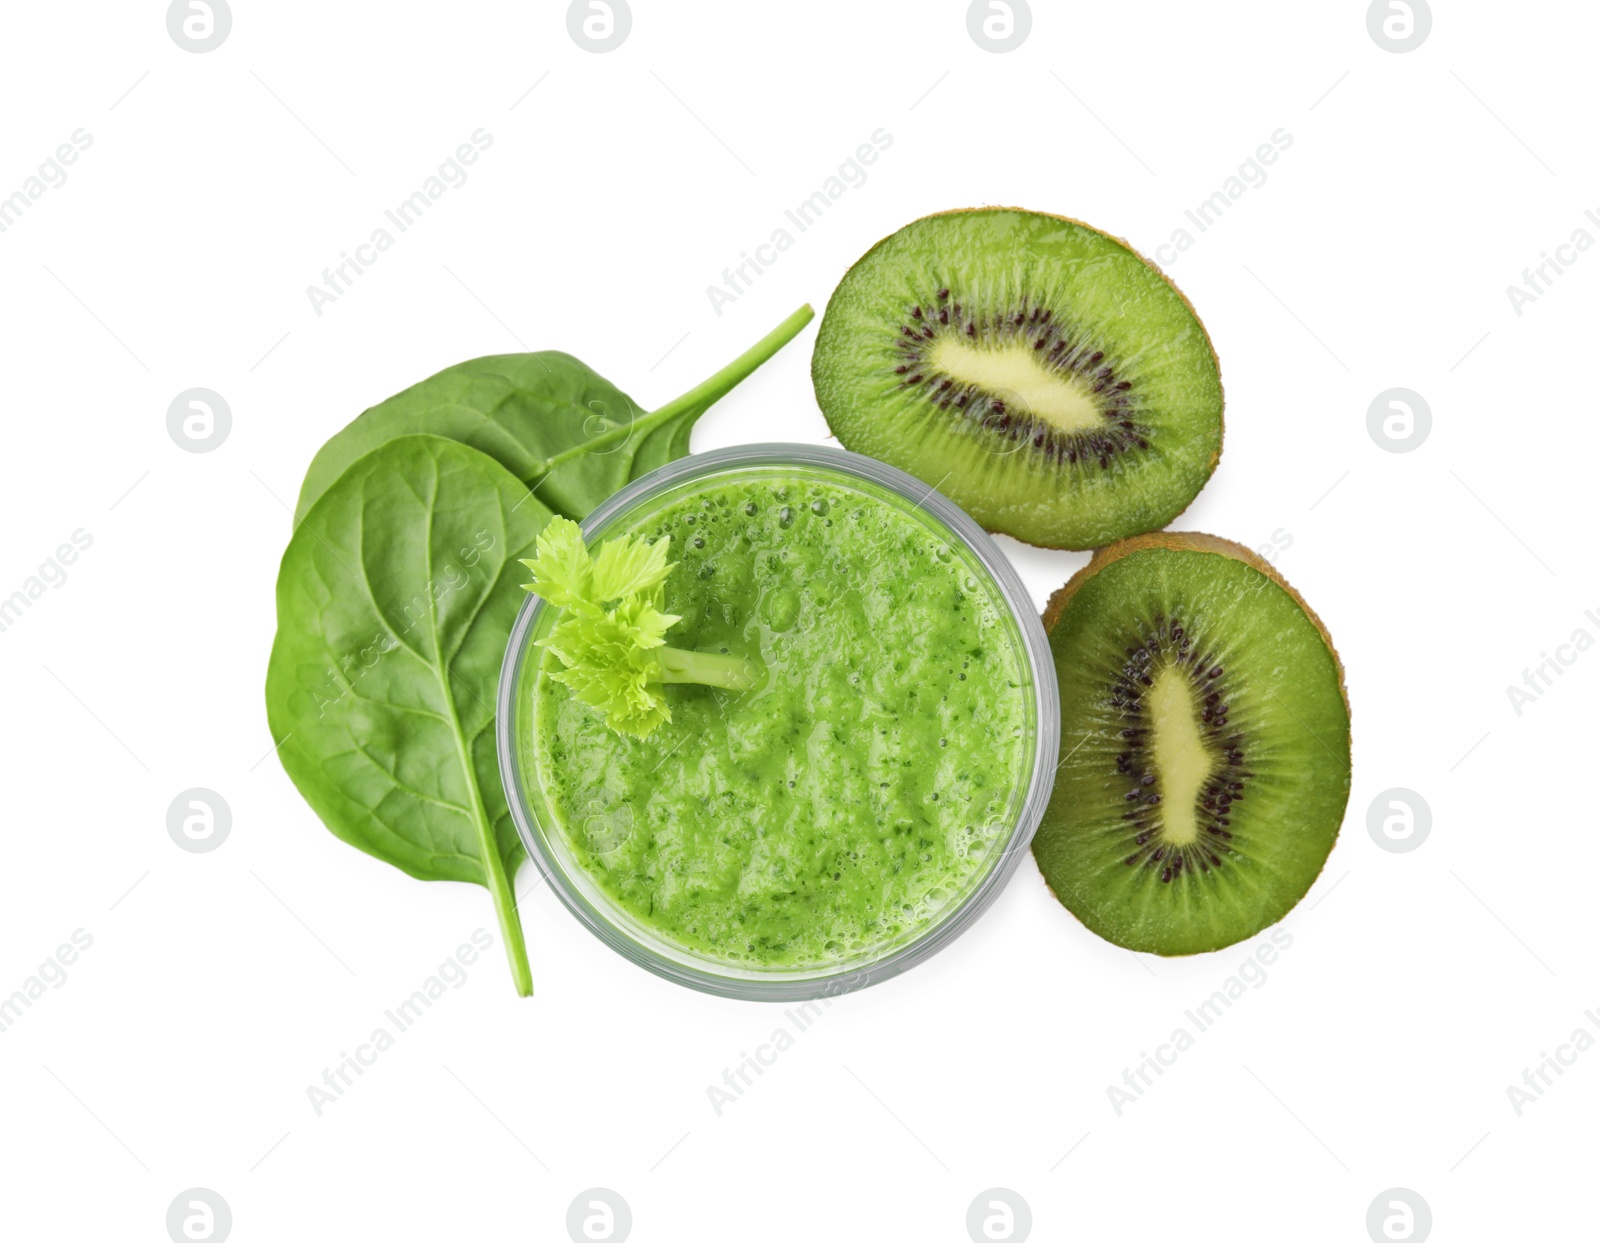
(825, 982)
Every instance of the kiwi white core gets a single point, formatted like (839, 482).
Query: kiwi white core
(1181, 759)
(1012, 372)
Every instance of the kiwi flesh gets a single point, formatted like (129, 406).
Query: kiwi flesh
(1038, 372)
(1205, 745)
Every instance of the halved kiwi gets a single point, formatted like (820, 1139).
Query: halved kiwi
(1038, 372)
(1205, 745)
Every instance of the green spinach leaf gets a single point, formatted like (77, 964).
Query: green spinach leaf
(566, 433)
(395, 598)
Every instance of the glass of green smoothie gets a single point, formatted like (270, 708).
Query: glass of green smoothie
(854, 805)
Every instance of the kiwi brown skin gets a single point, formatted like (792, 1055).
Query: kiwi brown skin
(1186, 541)
(1222, 394)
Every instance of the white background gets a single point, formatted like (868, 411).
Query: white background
(1377, 254)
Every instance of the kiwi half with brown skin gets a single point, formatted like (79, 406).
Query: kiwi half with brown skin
(1040, 373)
(1205, 745)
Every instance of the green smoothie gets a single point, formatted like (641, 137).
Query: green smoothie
(863, 786)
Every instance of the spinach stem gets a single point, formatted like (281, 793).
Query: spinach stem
(495, 879)
(505, 908)
(724, 381)
(733, 673)
(699, 398)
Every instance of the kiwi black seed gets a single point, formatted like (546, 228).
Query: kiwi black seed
(1040, 373)
(1205, 745)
